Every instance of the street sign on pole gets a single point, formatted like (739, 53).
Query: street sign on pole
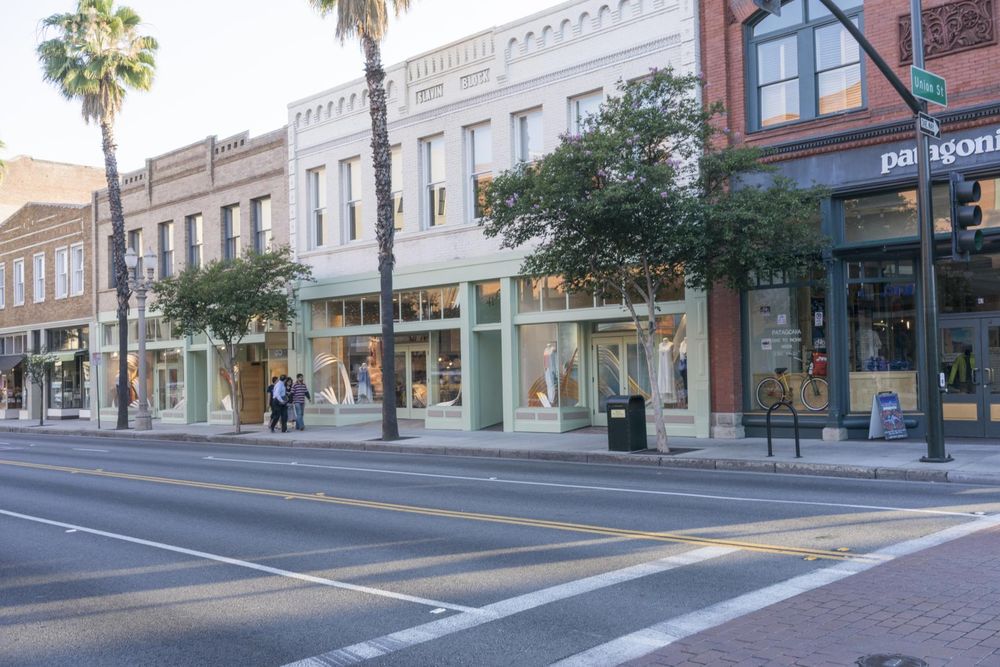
(929, 125)
(769, 6)
(928, 86)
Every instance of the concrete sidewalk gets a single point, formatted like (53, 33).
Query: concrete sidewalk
(976, 461)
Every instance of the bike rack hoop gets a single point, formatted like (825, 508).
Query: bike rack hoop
(795, 425)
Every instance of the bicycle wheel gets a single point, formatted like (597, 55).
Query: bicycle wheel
(769, 392)
(815, 394)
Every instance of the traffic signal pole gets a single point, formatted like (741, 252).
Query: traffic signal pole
(928, 375)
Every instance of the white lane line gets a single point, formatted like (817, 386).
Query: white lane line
(647, 640)
(249, 565)
(84, 449)
(397, 641)
(587, 487)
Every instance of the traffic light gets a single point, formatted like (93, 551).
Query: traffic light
(965, 213)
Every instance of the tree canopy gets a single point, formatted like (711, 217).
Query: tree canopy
(355, 18)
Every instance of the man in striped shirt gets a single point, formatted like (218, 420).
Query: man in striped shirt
(300, 392)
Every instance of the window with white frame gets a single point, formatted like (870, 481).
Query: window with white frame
(583, 106)
(166, 234)
(803, 64)
(231, 231)
(3, 285)
(195, 240)
(260, 220)
(76, 269)
(435, 192)
(38, 277)
(528, 136)
(317, 206)
(350, 192)
(62, 273)
(135, 243)
(18, 282)
(396, 176)
(479, 142)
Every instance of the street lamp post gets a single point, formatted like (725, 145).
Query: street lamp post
(139, 283)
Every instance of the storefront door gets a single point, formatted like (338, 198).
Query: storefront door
(619, 370)
(970, 361)
(411, 381)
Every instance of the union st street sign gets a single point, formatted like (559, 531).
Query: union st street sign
(928, 86)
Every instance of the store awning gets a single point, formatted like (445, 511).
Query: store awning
(9, 361)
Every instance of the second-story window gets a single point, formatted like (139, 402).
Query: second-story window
(195, 240)
(18, 282)
(479, 140)
(350, 180)
(396, 172)
(317, 206)
(803, 64)
(582, 107)
(166, 234)
(528, 136)
(38, 277)
(231, 232)
(76, 270)
(434, 181)
(3, 285)
(62, 273)
(134, 242)
(260, 218)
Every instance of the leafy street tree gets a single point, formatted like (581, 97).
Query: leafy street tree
(224, 299)
(36, 367)
(368, 20)
(96, 55)
(643, 199)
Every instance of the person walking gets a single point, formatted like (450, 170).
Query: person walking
(268, 391)
(300, 392)
(279, 405)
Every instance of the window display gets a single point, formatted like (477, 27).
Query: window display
(347, 370)
(549, 365)
(446, 372)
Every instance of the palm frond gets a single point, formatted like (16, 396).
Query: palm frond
(361, 17)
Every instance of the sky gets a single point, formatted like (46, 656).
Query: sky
(223, 66)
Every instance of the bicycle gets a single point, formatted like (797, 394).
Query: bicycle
(814, 392)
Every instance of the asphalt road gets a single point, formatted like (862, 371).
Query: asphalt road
(125, 553)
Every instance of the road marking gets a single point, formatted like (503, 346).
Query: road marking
(647, 640)
(588, 487)
(432, 630)
(247, 564)
(84, 449)
(453, 514)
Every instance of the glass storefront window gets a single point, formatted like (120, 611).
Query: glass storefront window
(882, 338)
(548, 294)
(12, 387)
(73, 338)
(111, 379)
(168, 367)
(969, 287)
(446, 371)
(347, 370)
(621, 361)
(891, 215)
(488, 302)
(549, 361)
(787, 330)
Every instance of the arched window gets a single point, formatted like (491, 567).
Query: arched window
(803, 64)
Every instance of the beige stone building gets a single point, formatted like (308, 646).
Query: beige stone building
(46, 303)
(209, 200)
(27, 179)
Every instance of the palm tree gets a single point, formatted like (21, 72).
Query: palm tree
(95, 56)
(368, 20)
(3, 167)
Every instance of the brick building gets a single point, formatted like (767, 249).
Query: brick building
(29, 180)
(46, 303)
(478, 344)
(799, 85)
(212, 199)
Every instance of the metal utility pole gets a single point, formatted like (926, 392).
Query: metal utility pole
(928, 375)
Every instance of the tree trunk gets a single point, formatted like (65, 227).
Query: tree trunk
(647, 340)
(384, 229)
(119, 267)
(234, 378)
(41, 412)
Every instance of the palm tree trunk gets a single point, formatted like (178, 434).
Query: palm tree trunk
(384, 229)
(119, 267)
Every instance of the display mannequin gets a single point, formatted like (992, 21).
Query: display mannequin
(869, 345)
(364, 384)
(665, 373)
(551, 376)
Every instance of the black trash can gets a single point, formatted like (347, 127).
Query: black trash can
(626, 423)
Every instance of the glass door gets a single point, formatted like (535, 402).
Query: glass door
(411, 381)
(991, 376)
(620, 369)
(961, 404)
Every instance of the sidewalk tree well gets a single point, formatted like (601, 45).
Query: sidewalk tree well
(368, 20)
(96, 55)
(36, 367)
(643, 199)
(223, 300)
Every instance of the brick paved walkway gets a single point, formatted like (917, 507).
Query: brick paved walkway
(941, 605)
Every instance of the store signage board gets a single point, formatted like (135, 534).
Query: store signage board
(929, 126)
(887, 417)
(928, 86)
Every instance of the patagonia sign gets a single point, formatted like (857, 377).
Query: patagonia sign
(945, 152)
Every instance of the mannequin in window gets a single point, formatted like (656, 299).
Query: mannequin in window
(364, 383)
(869, 346)
(961, 372)
(551, 376)
(665, 371)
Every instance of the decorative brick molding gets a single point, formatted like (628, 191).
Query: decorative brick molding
(950, 28)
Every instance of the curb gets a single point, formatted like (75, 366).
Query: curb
(614, 458)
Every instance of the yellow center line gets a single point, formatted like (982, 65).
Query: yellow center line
(456, 514)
